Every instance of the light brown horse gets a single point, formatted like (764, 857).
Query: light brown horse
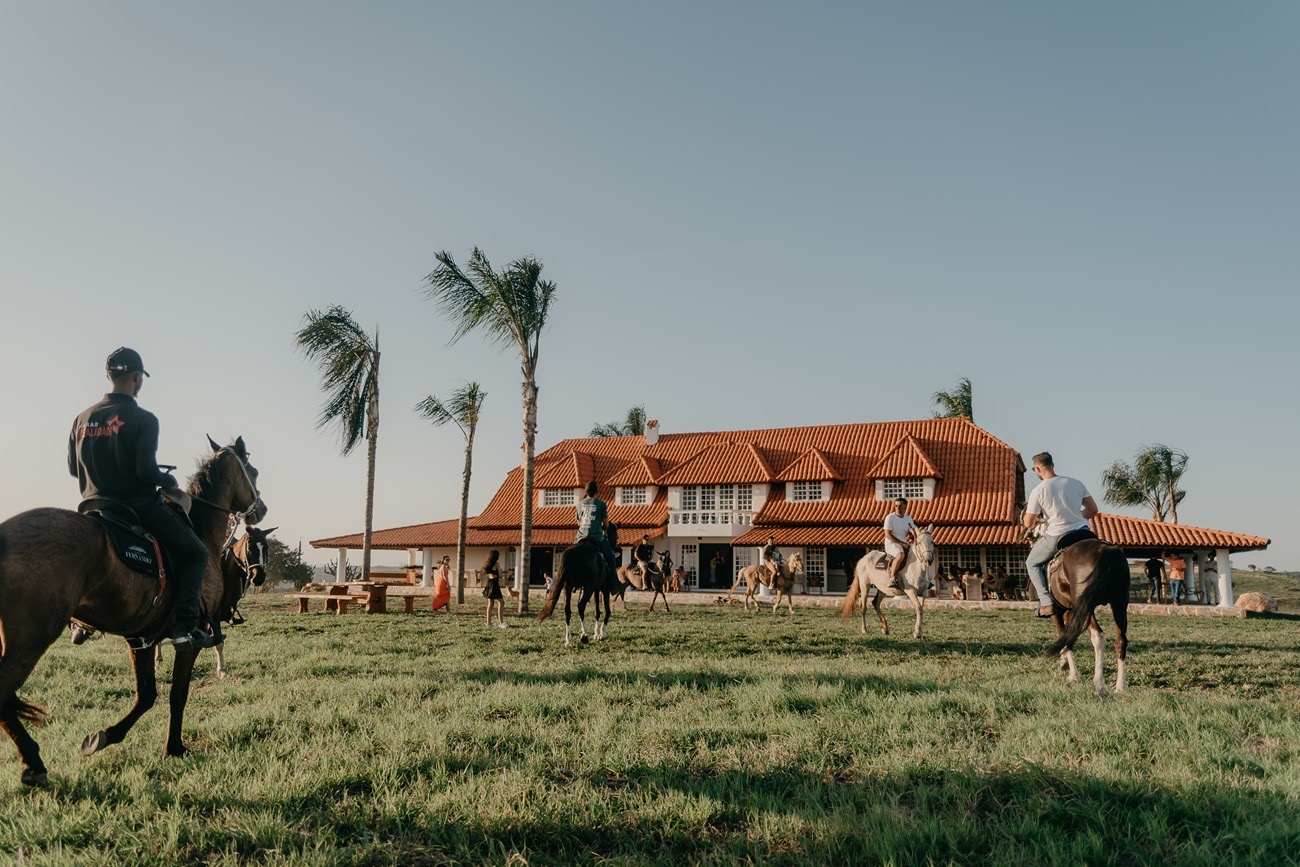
(1090, 574)
(56, 565)
(753, 576)
(653, 580)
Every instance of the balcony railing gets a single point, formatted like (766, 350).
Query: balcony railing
(697, 518)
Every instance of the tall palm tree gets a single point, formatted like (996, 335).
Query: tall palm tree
(461, 409)
(1151, 480)
(348, 360)
(632, 425)
(510, 307)
(958, 403)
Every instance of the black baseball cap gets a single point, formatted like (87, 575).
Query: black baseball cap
(124, 360)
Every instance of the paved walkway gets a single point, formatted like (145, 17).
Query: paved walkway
(710, 597)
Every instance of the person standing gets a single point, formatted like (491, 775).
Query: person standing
(1064, 506)
(492, 589)
(1155, 569)
(1177, 574)
(715, 564)
(442, 585)
(113, 453)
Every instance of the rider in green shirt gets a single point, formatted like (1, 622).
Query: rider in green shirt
(592, 513)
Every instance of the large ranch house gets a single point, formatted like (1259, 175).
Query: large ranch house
(712, 499)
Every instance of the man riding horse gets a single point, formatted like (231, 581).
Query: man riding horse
(772, 559)
(112, 451)
(642, 555)
(900, 532)
(592, 515)
(1064, 505)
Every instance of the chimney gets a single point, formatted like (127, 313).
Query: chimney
(651, 432)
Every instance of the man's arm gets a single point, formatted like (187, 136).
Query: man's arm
(1090, 508)
(72, 452)
(146, 455)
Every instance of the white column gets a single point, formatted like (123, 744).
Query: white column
(1225, 579)
(427, 577)
(343, 565)
(1193, 573)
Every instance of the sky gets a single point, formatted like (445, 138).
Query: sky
(755, 214)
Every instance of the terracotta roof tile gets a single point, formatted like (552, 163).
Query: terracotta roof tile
(644, 471)
(570, 471)
(906, 460)
(738, 462)
(811, 466)
(834, 537)
(442, 534)
(1142, 533)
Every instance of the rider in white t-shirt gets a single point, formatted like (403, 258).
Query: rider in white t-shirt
(1064, 506)
(900, 532)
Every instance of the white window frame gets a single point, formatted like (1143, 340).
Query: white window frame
(814, 564)
(554, 497)
(690, 498)
(745, 498)
(910, 489)
(741, 558)
(690, 563)
(807, 492)
(633, 495)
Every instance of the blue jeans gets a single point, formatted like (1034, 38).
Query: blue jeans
(1036, 564)
(1176, 589)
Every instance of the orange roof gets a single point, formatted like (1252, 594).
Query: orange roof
(1142, 533)
(811, 466)
(646, 471)
(721, 463)
(442, 534)
(573, 471)
(906, 460)
(874, 536)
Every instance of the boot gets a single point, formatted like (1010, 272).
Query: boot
(191, 638)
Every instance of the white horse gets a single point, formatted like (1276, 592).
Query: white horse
(916, 576)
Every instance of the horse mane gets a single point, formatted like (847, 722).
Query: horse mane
(205, 475)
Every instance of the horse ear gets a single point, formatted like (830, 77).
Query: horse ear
(270, 531)
(215, 448)
(240, 448)
(930, 529)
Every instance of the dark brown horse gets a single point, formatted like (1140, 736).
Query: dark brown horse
(582, 567)
(1090, 574)
(56, 564)
(243, 565)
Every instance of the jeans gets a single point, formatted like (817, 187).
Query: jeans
(608, 550)
(1176, 589)
(1036, 564)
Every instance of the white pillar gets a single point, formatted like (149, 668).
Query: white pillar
(1193, 573)
(1225, 579)
(342, 574)
(427, 577)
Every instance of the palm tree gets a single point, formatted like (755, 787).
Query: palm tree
(348, 360)
(958, 403)
(510, 308)
(1151, 480)
(632, 425)
(461, 409)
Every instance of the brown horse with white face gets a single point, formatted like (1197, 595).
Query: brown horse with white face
(56, 564)
(243, 565)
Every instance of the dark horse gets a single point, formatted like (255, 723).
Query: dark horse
(582, 567)
(56, 564)
(243, 565)
(1091, 573)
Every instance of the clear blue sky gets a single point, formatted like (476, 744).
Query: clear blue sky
(756, 214)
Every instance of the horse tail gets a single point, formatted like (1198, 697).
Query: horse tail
(16, 707)
(1110, 563)
(851, 599)
(554, 594)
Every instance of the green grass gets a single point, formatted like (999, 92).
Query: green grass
(1282, 586)
(706, 737)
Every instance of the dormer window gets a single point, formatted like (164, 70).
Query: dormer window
(808, 492)
(910, 489)
(633, 495)
(559, 497)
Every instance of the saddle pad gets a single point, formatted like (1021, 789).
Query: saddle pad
(134, 547)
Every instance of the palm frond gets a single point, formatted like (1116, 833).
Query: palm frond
(958, 403)
(462, 408)
(347, 359)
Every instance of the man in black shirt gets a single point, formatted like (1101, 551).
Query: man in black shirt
(1155, 568)
(112, 451)
(642, 555)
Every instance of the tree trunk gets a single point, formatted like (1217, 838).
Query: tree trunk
(372, 438)
(464, 519)
(524, 562)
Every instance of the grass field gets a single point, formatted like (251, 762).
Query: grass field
(705, 737)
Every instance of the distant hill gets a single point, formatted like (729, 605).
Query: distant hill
(1282, 586)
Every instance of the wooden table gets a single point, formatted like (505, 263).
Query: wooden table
(372, 595)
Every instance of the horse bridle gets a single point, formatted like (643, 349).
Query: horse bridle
(238, 515)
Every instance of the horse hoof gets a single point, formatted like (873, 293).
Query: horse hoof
(221, 672)
(1072, 680)
(94, 743)
(177, 752)
(584, 639)
(1101, 692)
(35, 778)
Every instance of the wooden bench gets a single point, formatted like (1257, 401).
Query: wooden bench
(409, 594)
(337, 602)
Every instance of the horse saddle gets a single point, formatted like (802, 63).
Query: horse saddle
(135, 547)
(1054, 566)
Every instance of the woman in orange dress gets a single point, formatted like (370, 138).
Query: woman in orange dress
(442, 586)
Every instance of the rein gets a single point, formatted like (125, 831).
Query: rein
(252, 507)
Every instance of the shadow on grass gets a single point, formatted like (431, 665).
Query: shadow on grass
(675, 812)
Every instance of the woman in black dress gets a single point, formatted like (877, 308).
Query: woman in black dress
(492, 589)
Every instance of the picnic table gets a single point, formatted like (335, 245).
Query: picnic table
(370, 595)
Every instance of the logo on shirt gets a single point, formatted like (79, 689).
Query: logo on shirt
(105, 429)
